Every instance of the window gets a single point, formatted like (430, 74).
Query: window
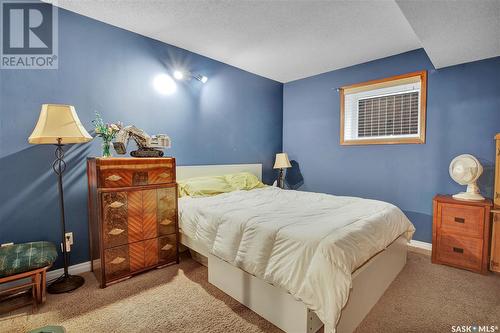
(386, 111)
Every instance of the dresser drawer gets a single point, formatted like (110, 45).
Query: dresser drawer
(115, 219)
(460, 251)
(115, 178)
(167, 249)
(125, 178)
(167, 210)
(117, 262)
(164, 175)
(463, 220)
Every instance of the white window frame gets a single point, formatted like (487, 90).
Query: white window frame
(400, 84)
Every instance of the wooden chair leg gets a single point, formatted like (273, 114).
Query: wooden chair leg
(34, 295)
(37, 287)
(43, 286)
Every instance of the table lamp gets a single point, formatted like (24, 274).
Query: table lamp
(59, 125)
(281, 163)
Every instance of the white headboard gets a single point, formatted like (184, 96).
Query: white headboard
(189, 171)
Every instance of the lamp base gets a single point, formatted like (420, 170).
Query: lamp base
(65, 284)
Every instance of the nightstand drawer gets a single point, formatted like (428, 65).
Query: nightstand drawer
(463, 220)
(460, 251)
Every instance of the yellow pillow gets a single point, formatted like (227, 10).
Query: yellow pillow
(204, 186)
(243, 181)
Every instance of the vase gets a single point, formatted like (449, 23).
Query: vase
(106, 148)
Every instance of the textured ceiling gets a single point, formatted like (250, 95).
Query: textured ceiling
(454, 32)
(289, 40)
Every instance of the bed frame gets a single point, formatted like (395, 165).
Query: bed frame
(277, 305)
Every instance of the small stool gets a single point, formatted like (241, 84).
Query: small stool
(27, 260)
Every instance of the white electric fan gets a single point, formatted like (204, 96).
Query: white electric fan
(465, 170)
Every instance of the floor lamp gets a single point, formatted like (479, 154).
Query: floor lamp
(59, 125)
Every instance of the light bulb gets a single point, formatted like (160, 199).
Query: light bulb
(204, 79)
(178, 75)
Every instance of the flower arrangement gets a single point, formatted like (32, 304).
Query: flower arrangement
(107, 132)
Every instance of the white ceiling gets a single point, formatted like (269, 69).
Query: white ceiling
(454, 32)
(289, 40)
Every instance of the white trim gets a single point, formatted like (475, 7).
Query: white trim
(74, 269)
(189, 171)
(420, 247)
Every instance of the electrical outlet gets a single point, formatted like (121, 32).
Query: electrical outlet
(69, 237)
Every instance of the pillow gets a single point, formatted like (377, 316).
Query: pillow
(243, 181)
(203, 186)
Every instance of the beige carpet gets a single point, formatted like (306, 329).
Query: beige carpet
(424, 298)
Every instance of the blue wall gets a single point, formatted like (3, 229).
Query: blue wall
(463, 115)
(236, 117)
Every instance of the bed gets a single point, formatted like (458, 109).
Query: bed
(280, 252)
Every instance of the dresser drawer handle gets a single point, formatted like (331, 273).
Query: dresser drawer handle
(164, 175)
(116, 204)
(117, 261)
(167, 247)
(113, 178)
(115, 231)
(459, 220)
(166, 222)
(458, 250)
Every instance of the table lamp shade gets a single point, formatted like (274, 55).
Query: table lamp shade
(58, 121)
(281, 161)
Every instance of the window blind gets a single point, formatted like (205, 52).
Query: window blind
(388, 115)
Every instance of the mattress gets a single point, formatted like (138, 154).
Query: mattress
(306, 243)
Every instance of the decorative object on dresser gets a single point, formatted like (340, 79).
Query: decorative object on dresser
(461, 233)
(148, 146)
(107, 132)
(133, 216)
(495, 233)
(281, 162)
(59, 125)
(465, 169)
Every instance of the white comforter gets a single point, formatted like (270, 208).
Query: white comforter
(306, 243)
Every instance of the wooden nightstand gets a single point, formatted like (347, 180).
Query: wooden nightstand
(461, 233)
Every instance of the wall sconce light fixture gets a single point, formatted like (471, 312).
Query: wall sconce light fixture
(180, 75)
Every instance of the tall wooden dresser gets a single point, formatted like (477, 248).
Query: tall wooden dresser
(132, 216)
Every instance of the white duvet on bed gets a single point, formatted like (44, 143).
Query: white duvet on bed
(306, 243)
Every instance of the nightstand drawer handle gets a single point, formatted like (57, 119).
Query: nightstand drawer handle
(459, 220)
(117, 261)
(458, 250)
(114, 178)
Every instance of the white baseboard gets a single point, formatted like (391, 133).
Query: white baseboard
(74, 269)
(420, 247)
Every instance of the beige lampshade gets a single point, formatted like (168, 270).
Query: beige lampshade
(282, 161)
(58, 121)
